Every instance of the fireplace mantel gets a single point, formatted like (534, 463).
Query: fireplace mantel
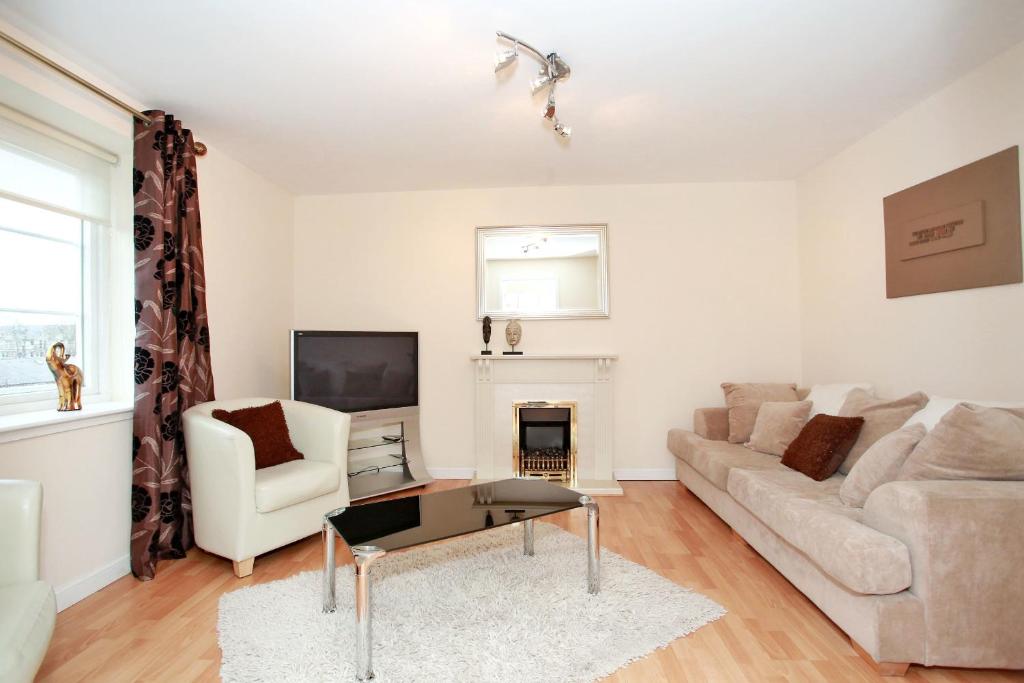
(585, 378)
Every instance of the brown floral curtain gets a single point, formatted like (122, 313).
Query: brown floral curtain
(172, 338)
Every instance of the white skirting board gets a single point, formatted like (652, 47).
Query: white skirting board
(83, 587)
(653, 474)
(452, 472)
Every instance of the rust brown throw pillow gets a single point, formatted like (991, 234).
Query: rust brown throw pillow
(268, 430)
(822, 445)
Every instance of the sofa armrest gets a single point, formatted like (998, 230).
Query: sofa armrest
(711, 423)
(966, 553)
(21, 506)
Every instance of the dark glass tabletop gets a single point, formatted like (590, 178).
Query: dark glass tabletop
(406, 522)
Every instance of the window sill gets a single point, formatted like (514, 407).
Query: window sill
(44, 422)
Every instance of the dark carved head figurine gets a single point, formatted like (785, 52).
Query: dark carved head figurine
(487, 329)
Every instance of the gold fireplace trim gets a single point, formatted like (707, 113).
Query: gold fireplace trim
(570, 476)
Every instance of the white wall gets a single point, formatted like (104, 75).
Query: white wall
(703, 282)
(247, 243)
(964, 344)
(86, 473)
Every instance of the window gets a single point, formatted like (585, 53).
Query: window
(55, 220)
(45, 271)
(533, 295)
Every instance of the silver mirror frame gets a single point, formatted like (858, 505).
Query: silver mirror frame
(482, 232)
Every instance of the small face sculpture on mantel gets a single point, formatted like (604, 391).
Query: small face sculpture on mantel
(513, 335)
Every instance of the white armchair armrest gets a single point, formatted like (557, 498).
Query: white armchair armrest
(21, 506)
(222, 467)
(318, 433)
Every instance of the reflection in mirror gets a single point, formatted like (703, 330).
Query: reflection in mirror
(542, 271)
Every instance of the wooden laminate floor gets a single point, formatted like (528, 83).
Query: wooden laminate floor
(165, 629)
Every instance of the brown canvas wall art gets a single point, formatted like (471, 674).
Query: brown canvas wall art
(960, 230)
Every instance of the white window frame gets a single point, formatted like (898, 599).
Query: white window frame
(95, 325)
(107, 274)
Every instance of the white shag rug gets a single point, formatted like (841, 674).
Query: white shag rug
(471, 609)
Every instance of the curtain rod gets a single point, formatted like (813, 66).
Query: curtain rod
(200, 147)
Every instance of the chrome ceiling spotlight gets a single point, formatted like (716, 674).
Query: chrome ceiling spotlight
(553, 69)
(549, 114)
(506, 57)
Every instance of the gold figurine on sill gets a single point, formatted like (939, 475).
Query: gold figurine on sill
(69, 378)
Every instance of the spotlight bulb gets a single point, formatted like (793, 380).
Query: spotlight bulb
(505, 58)
(539, 83)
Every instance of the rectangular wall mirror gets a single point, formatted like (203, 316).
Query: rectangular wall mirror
(542, 271)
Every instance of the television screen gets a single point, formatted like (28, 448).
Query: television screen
(355, 371)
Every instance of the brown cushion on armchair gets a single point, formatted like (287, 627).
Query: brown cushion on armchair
(266, 426)
(822, 445)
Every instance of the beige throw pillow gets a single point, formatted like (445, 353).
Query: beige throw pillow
(880, 464)
(743, 401)
(881, 417)
(777, 424)
(971, 442)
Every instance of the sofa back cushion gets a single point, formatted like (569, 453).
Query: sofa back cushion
(822, 445)
(828, 398)
(777, 424)
(881, 417)
(268, 430)
(880, 464)
(971, 442)
(938, 406)
(743, 401)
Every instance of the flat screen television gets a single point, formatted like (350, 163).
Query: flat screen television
(356, 371)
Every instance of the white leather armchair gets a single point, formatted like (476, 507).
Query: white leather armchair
(241, 512)
(28, 608)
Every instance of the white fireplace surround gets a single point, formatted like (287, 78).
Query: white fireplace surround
(587, 379)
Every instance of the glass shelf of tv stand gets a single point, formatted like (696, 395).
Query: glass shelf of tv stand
(376, 463)
(375, 441)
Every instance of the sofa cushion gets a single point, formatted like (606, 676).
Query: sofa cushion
(810, 516)
(880, 464)
(777, 424)
(714, 459)
(743, 401)
(829, 398)
(822, 445)
(28, 612)
(881, 417)
(938, 406)
(294, 482)
(971, 442)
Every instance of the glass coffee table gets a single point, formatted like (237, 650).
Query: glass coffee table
(374, 529)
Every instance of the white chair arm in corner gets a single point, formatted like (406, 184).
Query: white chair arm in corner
(28, 608)
(21, 506)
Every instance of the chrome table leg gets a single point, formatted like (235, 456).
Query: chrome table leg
(528, 537)
(593, 545)
(364, 555)
(327, 537)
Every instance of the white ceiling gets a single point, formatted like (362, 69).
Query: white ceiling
(329, 96)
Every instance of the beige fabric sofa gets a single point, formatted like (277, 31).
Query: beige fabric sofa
(928, 572)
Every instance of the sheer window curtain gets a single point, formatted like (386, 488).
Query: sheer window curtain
(172, 338)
